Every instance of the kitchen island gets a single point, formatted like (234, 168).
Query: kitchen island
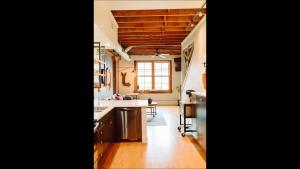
(105, 106)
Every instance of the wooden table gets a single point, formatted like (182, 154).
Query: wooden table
(152, 107)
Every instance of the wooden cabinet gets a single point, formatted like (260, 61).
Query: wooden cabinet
(201, 120)
(95, 151)
(100, 143)
(108, 132)
(103, 138)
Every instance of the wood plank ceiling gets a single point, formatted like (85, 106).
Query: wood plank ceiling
(152, 30)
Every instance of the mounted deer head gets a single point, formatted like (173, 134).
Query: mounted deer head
(123, 80)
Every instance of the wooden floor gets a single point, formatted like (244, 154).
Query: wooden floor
(166, 148)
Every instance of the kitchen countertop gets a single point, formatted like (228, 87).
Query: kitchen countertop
(110, 104)
(199, 94)
(187, 102)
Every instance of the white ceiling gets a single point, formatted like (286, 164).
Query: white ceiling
(148, 4)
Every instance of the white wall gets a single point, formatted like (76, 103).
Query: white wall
(163, 98)
(192, 80)
(105, 26)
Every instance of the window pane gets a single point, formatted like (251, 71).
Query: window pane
(141, 83)
(161, 73)
(165, 65)
(157, 80)
(141, 72)
(148, 66)
(148, 79)
(148, 72)
(157, 65)
(141, 87)
(141, 79)
(141, 66)
(157, 72)
(165, 86)
(158, 86)
(165, 72)
(165, 80)
(148, 86)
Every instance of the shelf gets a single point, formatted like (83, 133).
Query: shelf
(99, 74)
(96, 73)
(96, 85)
(97, 61)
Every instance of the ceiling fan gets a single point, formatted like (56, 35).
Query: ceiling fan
(160, 54)
(156, 52)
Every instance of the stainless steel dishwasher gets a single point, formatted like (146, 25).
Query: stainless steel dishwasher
(128, 124)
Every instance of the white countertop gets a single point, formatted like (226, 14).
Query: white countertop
(199, 93)
(187, 102)
(123, 103)
(110, 104)
(132, 94)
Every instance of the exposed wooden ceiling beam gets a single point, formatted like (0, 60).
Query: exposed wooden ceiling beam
(150, 43)
(164, 12)
(176, 24)
(165, 29)
(141, 25)
(140, 19)
(170, 47)
(203, 10)
(155, 33)
(154, 49)
(151, 38)
(177, 39)
(149, 30)
(160, 39)
(153, 52)
(154, 19)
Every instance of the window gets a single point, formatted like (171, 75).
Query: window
(153, 76)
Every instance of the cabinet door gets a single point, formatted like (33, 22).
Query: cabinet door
(201, 122)
(108, 132)
(133, 123)
(100, 142)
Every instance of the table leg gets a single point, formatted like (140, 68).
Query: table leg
(153, 111)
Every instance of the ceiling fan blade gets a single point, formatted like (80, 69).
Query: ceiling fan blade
(163, 55)
(128, 48)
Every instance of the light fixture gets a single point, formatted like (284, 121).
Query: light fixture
(192, 25)
(132, 72)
